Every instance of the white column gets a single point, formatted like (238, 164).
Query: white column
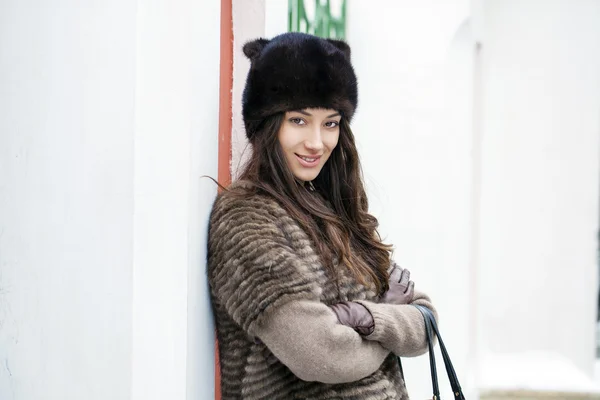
(108, 118)
(539, 194)
(203, 149)
(175, 144)
(67, 93)
(66, 200)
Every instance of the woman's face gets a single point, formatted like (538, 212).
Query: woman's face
(307, 138)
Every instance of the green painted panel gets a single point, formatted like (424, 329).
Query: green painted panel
(324, 18)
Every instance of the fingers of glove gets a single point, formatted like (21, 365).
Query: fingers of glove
(404, 278)
(410, 292)
(395, 275)
(394, 266)
(391, 268)
(365, 330)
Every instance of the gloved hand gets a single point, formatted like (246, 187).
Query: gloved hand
(401, 290)
(356, 316)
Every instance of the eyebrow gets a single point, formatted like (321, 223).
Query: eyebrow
(310, 115)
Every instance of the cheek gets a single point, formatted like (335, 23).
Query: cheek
(288, 137)
(332, 142)
(283, 138)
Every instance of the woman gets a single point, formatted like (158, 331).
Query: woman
(307, 302)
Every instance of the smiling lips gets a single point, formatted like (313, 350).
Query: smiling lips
(308, 162)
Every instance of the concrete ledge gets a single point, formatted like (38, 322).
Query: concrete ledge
(535, 395)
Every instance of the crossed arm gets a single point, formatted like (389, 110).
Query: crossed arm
(307, 337)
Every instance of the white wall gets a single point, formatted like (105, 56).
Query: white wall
(539, 215)
(508, 209)
(248, 24)
(108, 118)
(276, 17)
(535, 178)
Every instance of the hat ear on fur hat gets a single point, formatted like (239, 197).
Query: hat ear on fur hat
(253, 49)
(341, 45)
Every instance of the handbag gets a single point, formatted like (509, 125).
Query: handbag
(430, 329)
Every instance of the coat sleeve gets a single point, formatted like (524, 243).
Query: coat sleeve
(400, 328)
(265, 275)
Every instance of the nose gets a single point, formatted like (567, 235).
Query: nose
(314, 141)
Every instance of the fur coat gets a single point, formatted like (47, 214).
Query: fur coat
(278, 339)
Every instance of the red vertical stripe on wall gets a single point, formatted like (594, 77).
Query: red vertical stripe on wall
(225, 87)
(225, 117)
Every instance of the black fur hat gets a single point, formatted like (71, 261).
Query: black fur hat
(293, 71)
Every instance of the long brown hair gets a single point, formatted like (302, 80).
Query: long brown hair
(346, 230)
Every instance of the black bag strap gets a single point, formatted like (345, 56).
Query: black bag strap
(432, 365)
(430, 324)
(456, 389)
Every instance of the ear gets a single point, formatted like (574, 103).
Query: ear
(253, 49)
(341, 45)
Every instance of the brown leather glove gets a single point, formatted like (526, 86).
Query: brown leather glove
(401, 290)
(356, 316)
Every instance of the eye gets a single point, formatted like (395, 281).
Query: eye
(297, 121)
(332, 124)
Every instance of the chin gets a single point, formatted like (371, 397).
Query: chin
(307, 176)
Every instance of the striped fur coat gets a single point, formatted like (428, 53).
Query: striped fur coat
(278, 339)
